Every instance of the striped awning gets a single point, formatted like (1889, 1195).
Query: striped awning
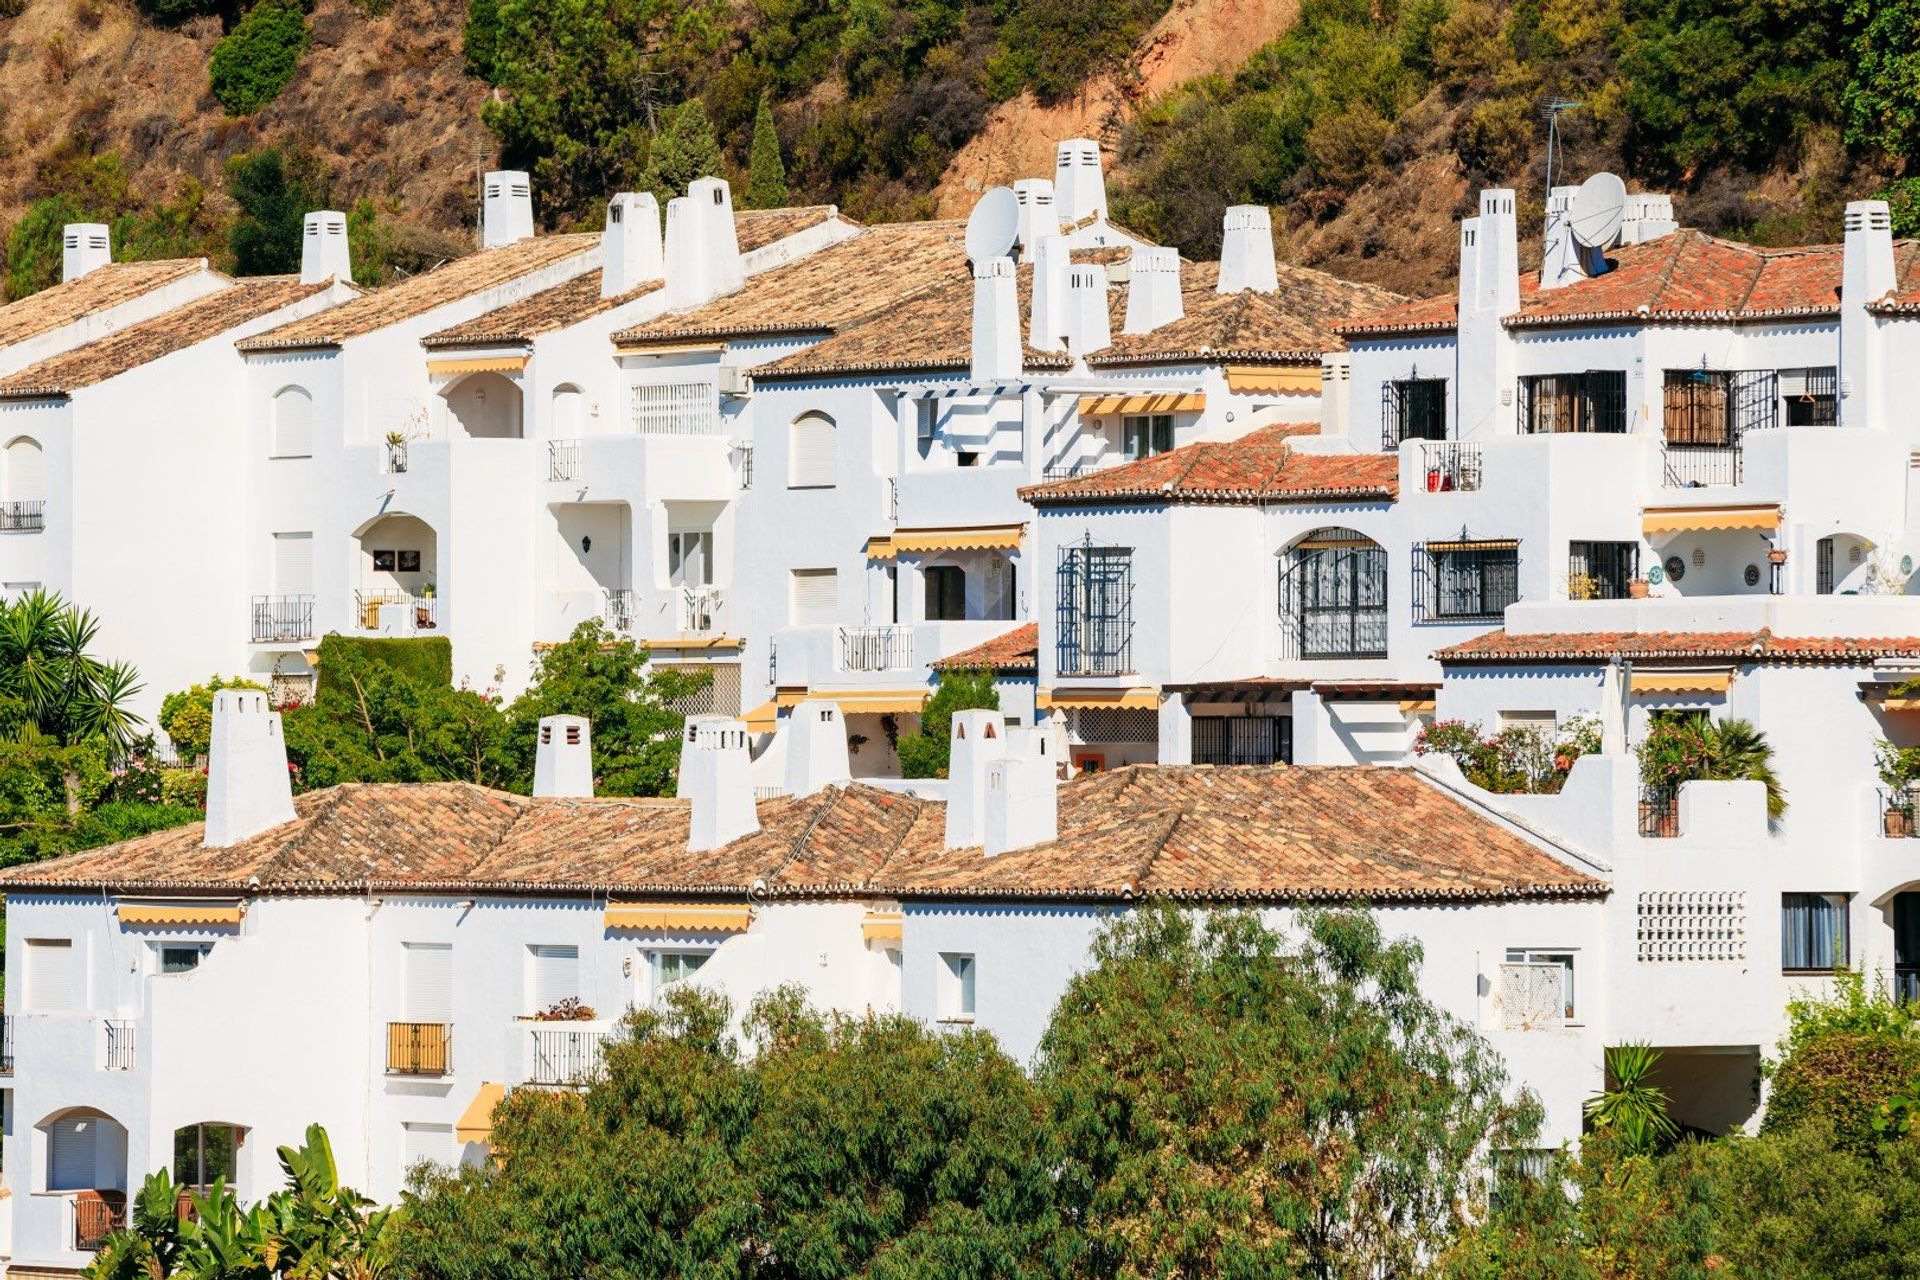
(882, 926)
(1680, 681)
(1273, 378)
(680, 917)
(476, 1122)
(225, 915)
(1089, 699)
(477, 364)
(1476, 544)
(1165, 402)
(1418, 706)
(1760, 519)
(993, 537)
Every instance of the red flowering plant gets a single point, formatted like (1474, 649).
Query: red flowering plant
(1517, 759)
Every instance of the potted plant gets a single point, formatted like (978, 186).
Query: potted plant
(1637, 588)
(1899, 768)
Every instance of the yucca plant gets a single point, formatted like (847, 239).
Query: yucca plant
(1633, 1106)
(61, 690)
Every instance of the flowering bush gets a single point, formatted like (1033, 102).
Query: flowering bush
(1694, 748)
(1518, 759)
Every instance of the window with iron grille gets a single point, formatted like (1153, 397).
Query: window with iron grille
(1333, 597)
(1472, 580)
(1601, 570)
(1715, 407)
(1116, 724)
(1243, 739)
(1574, 402)
(1093, 610)
(1413, 409)
(1812, 396)
(1823, 567)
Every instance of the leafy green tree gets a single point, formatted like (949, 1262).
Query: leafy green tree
(58, 687)
(186, 715)
(684, 150)
(766, 171)
(1229, 1105)
(33, 244)
(926, 754)
(481, 39)
(1052, 46)
(255, 61)
(1882, 97)
(275, 188)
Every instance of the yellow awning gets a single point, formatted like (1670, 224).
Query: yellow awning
(680, 917)
(479, 364)
(1418, 705)
(1166, 402)
(875, 701)
(1087, 699)
(764, 717)
(998, 537)
(476, 1122)
(788, 697)
(224, 914)
(1273, 377)
(641, 347)
(1681, 681)
(882, 926)
(1682, 519)
(1475, 544)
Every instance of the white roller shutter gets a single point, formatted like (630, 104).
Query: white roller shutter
(53, 975)
(25, 472)
(553, 976)
(816, 597)
(431, 1143)
(70, 1153)
(813, 453)
(292, 423)
(429, 982)
(293, 564)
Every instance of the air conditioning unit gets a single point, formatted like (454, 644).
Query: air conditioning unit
(733, 381)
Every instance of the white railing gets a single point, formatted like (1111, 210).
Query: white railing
(566, 1056)
(563, 459)
(1531, 997)
(876, 648)
(700, 610)
(1449, 466)
(397, 457)
(620, 606)
(422, 612)
(676, 409)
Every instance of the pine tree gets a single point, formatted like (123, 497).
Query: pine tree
(686, 149)
(766, 172)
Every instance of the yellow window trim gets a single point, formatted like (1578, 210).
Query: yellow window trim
(1088, 699)
(764, 717)
(1002, 537)
(882, 926)
(680, 917)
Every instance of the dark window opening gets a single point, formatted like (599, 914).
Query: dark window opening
(1413, 409)
(946, 593)
(1243, 739)
(1472, 580)
(1594, 401)
(1601, 570)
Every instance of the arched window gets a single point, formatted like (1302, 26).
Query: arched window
(292, 423)
(1333, 596)
(569, 413)
(25, 478)
(813, 452)
(486, 406)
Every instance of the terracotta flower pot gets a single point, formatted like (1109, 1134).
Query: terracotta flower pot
(1637, 588)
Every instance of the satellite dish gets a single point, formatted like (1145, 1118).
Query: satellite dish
(993, 225)
(1599, 207)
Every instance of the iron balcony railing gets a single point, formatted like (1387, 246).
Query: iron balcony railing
(1467, 580)
(1450, 466)
(278, 618)
(1699, 466)
(95, 1218)
(1898, 807)
(397, 457)
(23, 515)
(566, 1056)
(120, 1044)
(425, 615)
(700, 610)
(746, 467)
(893, 499)
(563, 459)
(1072, 470)
(876, 648)
(1602, 570)
(419, 1048)
(1659, 812)
(1242, 739)
(6, 1044)
(620, 606)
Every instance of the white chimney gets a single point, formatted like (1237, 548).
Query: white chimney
(1559, 255)
(717, 781)
(996, 322)
(1087, 320)
(1489, 291)
(323, 248)
(1153, 289)
(1022, 793)
(1079, 187)
(688, 282)
(714, 199)
(1866, 276)
(630, 244)
(1037, 216)
(248, 787)
(1246, 250)
(1051, 258)
(563, 758)
(816, 736)
(84, 246)
(506, 208)
(1648, 216)
(976, 740)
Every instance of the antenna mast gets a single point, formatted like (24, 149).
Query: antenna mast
(1552, 112)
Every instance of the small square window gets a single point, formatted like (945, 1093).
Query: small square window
(1532, 955)
(956, 979)
(182, 957)
(670, 967)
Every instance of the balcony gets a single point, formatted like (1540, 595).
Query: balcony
(23, 515)
(618, 612)
(563, 460)
(1659, 813)
(97, 1215)
(1897, 809)
(1450, 466)
(409, 612)
(876, 648)
(121, 1037)
(396, 457)
(6, 1044)
(676, 409)
(1699, 466)
(701, 611)
(566, 1057)
(277, 619)
(419, 1048)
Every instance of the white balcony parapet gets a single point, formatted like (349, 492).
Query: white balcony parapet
(876, 648)
(676, 409)
(563, 459)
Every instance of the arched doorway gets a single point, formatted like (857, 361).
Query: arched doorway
(398, 565)
(1906, 946)
(484, 406)
(1333, 596)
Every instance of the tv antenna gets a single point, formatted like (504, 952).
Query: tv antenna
(1552, 113)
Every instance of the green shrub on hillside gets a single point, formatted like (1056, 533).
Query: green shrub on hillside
(1052, 46)
(253, 62)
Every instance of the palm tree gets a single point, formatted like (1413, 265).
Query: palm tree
(1634, 1107)
(56, 687)
(1738, 751)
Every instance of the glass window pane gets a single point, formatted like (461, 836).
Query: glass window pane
(186, 1155)
(179, 959)
(217, 1155)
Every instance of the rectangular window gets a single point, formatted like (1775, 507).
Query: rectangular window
(1413, 409)
(553, 976)
(946, 593)
(1601, 570)
(1243, 740)
(1812, 396)
(179, 957)
(425, 1144)
(690, 558)
(53, 975)
(1594, 401)
(926, 418)
(956, 976)
(670, 967)
(293, 564)
(1093, 609)
(1542, 721)
(71, 1145)
(1466, 581)
(815, 597)
(204, 1154)
(1562, 959)
(429, 981)
(676, 408)
(1144, 435)
(1813, 932)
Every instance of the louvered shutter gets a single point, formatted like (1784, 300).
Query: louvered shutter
(816, 597)
(813, 453)
(429, 982)
(53, 979)
(293, 564)
(554, 975)
(293, 424)
(431, 1143)
(70, 1153)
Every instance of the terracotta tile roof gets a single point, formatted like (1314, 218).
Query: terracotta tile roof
(1259, 467)
(579, 299)
(171, 331)
(103, 287)
(1194, 832)
(862, 276)
(1686, 277)
(448, 282)
(1017, 650)
(1740, 646)
(1294, 325)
